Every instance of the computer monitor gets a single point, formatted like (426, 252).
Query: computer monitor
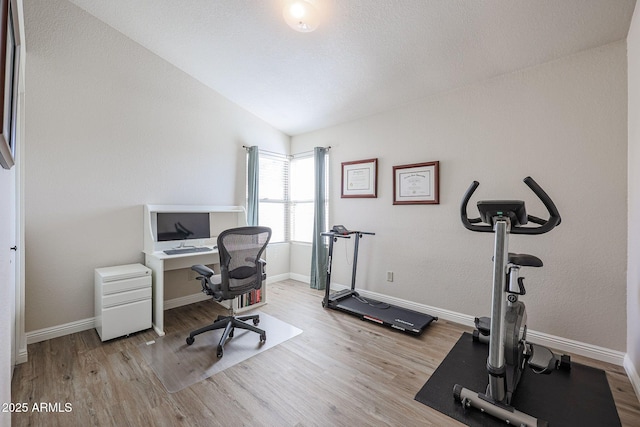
(182, 226)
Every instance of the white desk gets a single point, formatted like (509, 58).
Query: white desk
(220, 218)
(159, 262)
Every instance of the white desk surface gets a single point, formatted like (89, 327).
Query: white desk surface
(162, 255)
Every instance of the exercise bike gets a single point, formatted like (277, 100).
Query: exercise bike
(505, 331)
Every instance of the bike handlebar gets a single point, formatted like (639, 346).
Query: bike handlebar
(544, 225)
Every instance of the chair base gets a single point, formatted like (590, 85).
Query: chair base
(229, 323)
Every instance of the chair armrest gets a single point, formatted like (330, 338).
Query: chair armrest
(262, 263)
(203, 270)
(260, 260)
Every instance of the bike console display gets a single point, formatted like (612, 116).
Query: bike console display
(514, 209)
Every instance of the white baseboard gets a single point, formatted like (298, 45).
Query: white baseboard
(576, 347)
(558, 343)
(452, 316)
(22, 356)
(300, 277)
(60, 330)
(85, 324)
(189, 299)
(632, 373)
(278, 278)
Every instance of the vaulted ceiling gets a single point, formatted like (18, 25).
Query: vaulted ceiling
(366, 56)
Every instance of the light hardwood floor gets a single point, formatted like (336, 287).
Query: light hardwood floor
(340, 371)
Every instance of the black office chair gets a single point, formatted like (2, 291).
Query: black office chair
(241, 271)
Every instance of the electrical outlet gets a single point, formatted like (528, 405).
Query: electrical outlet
(389, 276)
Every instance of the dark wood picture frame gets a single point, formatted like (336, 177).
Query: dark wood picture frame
(416, 184)
(9, 76)
(360, 179)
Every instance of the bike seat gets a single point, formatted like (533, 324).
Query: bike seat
(525, 260)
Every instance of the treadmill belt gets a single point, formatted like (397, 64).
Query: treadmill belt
(403, 319)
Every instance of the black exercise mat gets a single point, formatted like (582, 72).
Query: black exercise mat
(580, 397)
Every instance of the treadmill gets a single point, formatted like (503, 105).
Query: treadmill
(349, 301)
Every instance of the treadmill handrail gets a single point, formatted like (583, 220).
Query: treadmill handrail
(334, 234)
(346, 236)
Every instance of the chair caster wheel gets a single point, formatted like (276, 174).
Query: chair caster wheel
(255, 322)
(231, 333)
(263, 338)
(190, 340)
(219, 352)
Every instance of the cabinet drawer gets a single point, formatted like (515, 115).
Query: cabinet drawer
(126, 297)
(126, 285)
(125, 319)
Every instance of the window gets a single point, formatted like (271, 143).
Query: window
(302, 188)
(274, 195)
(286, 189)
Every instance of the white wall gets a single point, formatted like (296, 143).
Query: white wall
(110, 127)
(564, 123)
(300, 260)
(633, 255)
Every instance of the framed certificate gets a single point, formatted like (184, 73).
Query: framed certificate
(416, 184)
(360, 178)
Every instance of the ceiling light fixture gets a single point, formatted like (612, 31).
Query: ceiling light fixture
(301, 16)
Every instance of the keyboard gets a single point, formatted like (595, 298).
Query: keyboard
(186, 250)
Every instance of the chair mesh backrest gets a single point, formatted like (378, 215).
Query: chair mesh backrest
(240, 249)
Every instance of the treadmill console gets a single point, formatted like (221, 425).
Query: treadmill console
(340, 229)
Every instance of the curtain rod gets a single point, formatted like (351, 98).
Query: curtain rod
(246, 147)
(310, 151)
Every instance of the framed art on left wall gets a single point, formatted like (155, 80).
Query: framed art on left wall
(9, 74)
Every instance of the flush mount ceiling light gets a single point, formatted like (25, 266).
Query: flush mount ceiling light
(301, 16)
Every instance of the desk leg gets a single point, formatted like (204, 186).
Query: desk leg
(157, 271)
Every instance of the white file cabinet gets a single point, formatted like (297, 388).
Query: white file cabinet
(122, 300)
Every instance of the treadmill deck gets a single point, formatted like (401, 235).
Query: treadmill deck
(403, 319)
